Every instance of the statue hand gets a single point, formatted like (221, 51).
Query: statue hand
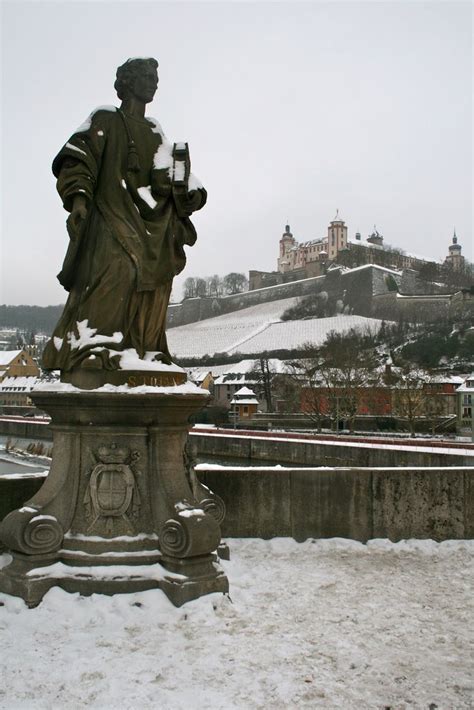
(77, 218)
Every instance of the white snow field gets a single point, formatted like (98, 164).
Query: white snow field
(320, 624)
(258, 328)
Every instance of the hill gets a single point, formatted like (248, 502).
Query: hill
(258, 329)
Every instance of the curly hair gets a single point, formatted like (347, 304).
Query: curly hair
(127, 72)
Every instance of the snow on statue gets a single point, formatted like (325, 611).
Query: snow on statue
(130, 194)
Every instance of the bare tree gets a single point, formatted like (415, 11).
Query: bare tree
(214, 285)
(336, 375)
(305, 375)
(286, 393)
(349, 370)
(462, 276)
(435, 407)
(189, 287)
(235, 283)
(263, 375)
(201, 287)
(410, 396)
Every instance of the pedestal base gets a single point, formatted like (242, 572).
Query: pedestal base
(23, 579)
(121, 510)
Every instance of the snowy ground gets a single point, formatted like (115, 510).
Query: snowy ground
(326, 624)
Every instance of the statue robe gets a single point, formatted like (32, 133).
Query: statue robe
(119, 271)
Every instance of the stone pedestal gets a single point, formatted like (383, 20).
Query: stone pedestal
(120, 511)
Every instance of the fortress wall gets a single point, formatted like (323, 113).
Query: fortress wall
(195, 309)
(392, 306)
(367, 292)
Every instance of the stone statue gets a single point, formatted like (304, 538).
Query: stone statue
(122, 496)
(130, 194)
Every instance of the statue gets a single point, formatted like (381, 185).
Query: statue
(130, 194)
(122, 508)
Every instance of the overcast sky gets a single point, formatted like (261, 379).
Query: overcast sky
(292, 110)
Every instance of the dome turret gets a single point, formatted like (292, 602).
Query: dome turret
(455, 247)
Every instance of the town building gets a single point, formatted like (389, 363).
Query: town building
(18, 375)
(244, 404)
(436, 399)
(15, 394)
(227, 384)
(466, 407)
(202, 378)
(17, 363)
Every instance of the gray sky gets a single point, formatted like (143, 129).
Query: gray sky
(291, 109)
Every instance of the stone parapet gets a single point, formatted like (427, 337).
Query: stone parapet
(257, 448)
(356, 503)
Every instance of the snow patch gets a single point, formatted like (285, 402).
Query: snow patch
(145, 194)
(88, 122)
(74, 147)
(89, 337)
(130, 360)
(65, 387)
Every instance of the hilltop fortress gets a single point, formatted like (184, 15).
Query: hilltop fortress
(299, 260)
(363, 278)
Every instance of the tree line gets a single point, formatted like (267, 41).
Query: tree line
(214, 286)
(40, 319)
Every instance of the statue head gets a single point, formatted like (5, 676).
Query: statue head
(137, 77)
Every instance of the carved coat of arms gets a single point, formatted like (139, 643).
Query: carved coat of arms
(112, 492)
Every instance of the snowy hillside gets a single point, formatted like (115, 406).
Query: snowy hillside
(257, 329)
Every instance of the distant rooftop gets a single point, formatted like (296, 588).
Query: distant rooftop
(6, 356)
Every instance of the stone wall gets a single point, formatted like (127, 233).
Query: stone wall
(414, 309)
(29, 429)
(257, 450)
(357, 503)
(194, 309)
(263, 448)
(356, 288)
(462, 302)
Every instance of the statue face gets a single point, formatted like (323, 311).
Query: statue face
(145, 84)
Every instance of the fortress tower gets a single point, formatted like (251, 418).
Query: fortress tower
(287, 242)
(455, 259)
(337, 237)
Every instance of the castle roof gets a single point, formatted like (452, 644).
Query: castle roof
(311, 242)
